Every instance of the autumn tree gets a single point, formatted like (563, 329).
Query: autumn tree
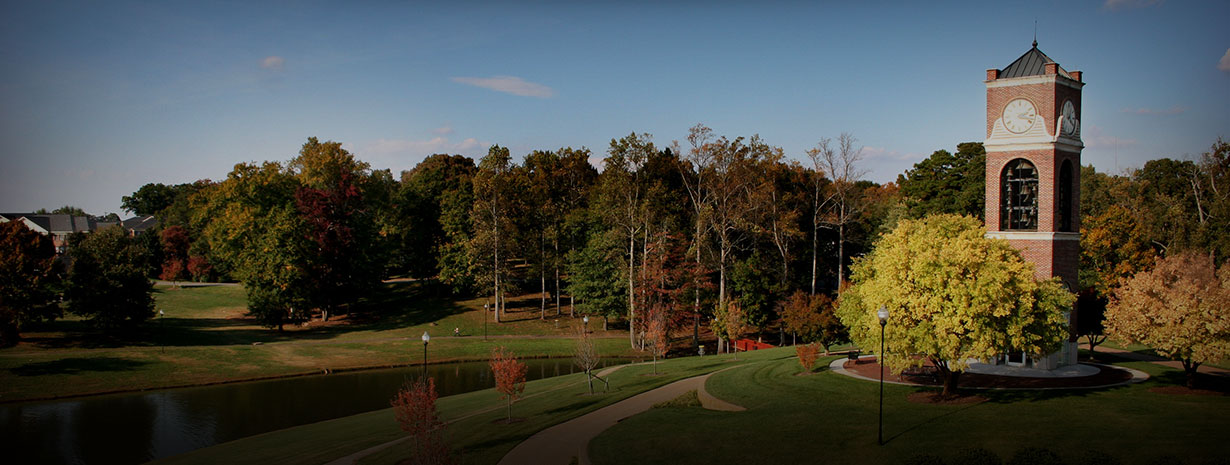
(807, 353)
(574, 180)
(414, 408)
(953, 295)
(659, 337)
(1181, 309)
(509, 376)
(107, 282)
(345, 261)
(28, 277)
(254, 230)
(730, 206)
(149, 199)
(814, 317)
(730, 323)
(175, 244)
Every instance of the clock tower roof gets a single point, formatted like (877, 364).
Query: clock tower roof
(1032, 63)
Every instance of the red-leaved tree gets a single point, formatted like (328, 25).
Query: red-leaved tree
(199, 268)
(175, 252)
(509, 375)
(414, 407)
(808, 353)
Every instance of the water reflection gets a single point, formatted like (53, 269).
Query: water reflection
(138, 427)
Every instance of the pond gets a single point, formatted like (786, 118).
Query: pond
(139, 427)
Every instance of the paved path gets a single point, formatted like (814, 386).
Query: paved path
(559, 444)
(352, 458)
(1212, 370)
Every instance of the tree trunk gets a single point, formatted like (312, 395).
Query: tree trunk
(542, 274)
(950, 381)
(841, 250)
(495, 273)
(1190, 369)
(631, 289)
(815, 233)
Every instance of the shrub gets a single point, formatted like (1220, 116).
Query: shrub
(807, 355)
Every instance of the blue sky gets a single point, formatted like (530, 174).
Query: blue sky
(99, 98)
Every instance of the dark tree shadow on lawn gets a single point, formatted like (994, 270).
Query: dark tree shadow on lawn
(391, 306)
(72, 366)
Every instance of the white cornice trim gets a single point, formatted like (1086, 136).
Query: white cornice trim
(1034, 236)
(1040, 79)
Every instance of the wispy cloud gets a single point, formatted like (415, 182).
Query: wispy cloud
(1096, 137)
(1116, 5)
(1154, 111)
(442, 131)
(273, 62)
(509, 85)
(1224, 64)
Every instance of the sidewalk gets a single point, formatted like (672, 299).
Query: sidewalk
(559, 444)
(1212, 370)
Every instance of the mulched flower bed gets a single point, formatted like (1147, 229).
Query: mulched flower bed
(1105, 376)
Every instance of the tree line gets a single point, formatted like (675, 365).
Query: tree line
(710, 231)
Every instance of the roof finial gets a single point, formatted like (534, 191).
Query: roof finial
(1035, 33)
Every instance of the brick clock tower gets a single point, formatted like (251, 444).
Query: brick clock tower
(1033, 173)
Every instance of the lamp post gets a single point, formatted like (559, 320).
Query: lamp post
(426, 338)
(585, 320)
(486, 308)
(162, 329)
(882, 314)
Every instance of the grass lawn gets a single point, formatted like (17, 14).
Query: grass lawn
(481, 435)
(829, 418)
(205, 338)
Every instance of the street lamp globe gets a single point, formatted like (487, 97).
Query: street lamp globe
(882, 314)
(426, 337)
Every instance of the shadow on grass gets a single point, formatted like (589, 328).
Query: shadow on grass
(72, 366)
(390, 306)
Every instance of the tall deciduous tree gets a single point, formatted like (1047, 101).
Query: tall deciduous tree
(843, 196)
(622, 189)
(953, 295)
(493, 203)
(28, 277)
(107, 282)
(435, 203)
(1181, 309)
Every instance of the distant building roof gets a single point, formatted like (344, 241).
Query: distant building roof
(140, 223)
(1032, 63)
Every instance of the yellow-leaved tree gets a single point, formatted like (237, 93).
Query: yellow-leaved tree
(952, 295)
(1181, 309)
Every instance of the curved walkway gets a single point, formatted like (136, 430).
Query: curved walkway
(352, 458)
(559, 444)
(1082, 370)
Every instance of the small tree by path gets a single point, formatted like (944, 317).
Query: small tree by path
(730, 323)
(808, 353)
(509, 375)
(1181, 309)
(659, 340)
(585, 355)
(414, 407)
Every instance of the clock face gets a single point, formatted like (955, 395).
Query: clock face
(1019, 115)
(1069, 118)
